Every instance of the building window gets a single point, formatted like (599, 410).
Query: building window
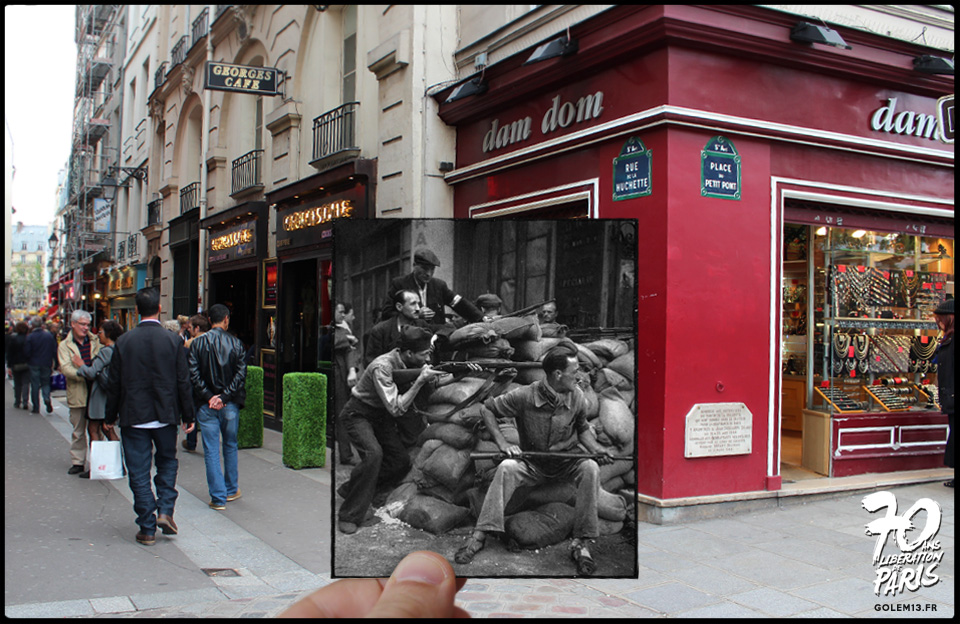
(349, 54)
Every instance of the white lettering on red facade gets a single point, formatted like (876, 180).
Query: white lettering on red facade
(559, 115)
(886, 119)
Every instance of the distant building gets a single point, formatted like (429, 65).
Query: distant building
(28, 248)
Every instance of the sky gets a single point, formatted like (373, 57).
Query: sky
(40, 62)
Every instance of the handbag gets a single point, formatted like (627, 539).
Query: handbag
(106, 460)
(58, 382)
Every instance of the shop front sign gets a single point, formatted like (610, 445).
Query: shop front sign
(560, 115)
(239, 241)
(720, 169)
(241, 78)
(632, 171)
(297, 227)
(887, 119)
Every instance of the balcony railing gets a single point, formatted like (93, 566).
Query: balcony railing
(154, 210)
(160, 75)
(121, 251)
(246, 172)
(179, 52)
(335, 131)
(199, 30)
(133, 246)
(189, 197)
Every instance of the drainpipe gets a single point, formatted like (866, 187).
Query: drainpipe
(204, 147)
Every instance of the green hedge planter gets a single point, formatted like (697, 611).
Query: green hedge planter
(250, 432)
(304, 420)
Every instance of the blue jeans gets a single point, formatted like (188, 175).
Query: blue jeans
(137, 447)
(40, 380)
(213, 423)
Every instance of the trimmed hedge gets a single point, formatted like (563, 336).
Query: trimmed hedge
(250, 432)
(304, 420)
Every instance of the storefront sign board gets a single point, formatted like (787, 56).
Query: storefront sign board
(720, 169)
(233, 243)
(101, 216)
(716, 429)
(241, 78)
(632, 171)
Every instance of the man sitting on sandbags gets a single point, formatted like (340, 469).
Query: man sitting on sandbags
(550, 416)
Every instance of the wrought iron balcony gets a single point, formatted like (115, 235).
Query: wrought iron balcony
(247, 172)
(199, 30)
(159, 77)
(179, 52)
(335, 136)
(154, 210)
(189, 197)
(133, 246)
(121, 251)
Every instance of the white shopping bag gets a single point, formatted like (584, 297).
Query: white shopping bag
(106, 460)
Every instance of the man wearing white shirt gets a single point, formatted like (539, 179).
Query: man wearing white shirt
(150, 392)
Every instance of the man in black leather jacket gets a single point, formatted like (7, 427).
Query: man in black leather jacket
(219, 374)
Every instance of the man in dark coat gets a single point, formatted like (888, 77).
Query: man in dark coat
(40, 348)
(385, 335)
(149, 390)
(434, 293)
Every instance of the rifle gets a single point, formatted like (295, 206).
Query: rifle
(528, 309)
(550, 454)
(408, 375)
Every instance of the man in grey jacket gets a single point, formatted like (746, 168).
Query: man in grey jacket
(219, 374)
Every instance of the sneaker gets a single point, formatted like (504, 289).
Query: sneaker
(234, 496)
(75, 469)
(216, 505)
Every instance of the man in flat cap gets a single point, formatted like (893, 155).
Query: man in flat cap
(490, 305)
(434, 293)
(369, 418)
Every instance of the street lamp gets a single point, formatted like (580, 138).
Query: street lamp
(53, 241)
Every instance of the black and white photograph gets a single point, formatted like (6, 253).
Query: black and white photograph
(485, 396)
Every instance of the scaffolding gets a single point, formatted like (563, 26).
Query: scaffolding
(92, 154)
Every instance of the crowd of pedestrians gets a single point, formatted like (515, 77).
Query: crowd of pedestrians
(145, 383)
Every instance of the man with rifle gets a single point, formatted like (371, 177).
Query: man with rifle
(551, 420)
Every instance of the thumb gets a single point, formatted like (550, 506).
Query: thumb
(422, 586)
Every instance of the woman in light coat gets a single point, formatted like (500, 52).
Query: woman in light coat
(98, 372)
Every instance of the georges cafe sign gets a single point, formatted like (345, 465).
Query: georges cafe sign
(559, 115)
(241, 78)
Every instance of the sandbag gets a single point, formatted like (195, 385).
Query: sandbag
(630, 478)
(528, 376)
(447, 465)
(425, 452)
(613, 484)
(509, 430)
(611, 507)
(532, 350)
(473, 333)
(435, 411)
(608, 348)
(592, 401)
(550, 524)
(608, 527)
(485, 467)
(457, 392)
(616, 418)
(588, 358)
(401, 495)
(432, 514)
(452, 434)
(499, 348)
(553, 330)
(455, 496)
(517, 328)
(614, 470)
(624, 365)
(616, 380)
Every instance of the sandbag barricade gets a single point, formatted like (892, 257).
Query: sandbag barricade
(445, 489)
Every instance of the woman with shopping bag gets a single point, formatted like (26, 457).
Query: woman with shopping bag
(99, 372)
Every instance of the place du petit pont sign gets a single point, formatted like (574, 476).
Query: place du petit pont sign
(716, 429)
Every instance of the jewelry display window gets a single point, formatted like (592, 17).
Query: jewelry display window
(871, 296)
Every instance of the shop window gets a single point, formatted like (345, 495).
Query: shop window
(858, 325)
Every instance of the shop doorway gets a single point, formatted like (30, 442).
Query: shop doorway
(237, 289)
(304, 309)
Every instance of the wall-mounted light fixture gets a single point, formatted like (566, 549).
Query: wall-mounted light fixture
(475, 86)
(561, 46)
(929, 64)
(805, 32)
